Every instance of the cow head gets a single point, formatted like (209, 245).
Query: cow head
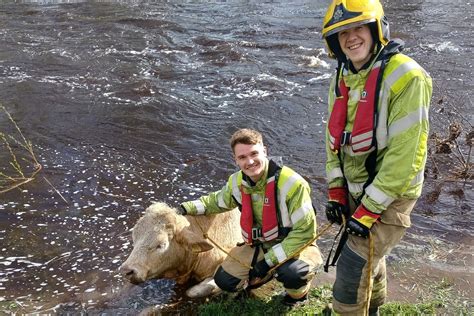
(163, 245)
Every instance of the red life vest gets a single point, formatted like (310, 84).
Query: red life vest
(362, 133)
(269, 214)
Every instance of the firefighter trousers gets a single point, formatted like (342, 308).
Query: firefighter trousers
(296, 274)
(351, 286)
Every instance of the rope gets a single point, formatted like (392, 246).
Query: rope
(272, 269)
(322, 231)
(369, 272)
(183, 278)
(270, 272)
(206, 236)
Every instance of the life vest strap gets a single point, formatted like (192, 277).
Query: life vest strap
(256, 233)
(345, 138)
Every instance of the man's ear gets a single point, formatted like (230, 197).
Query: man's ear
(265, 150)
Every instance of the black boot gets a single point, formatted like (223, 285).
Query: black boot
(374, 311)
(327, 311)
(289, 301)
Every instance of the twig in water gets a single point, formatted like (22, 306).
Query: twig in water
(59, 193)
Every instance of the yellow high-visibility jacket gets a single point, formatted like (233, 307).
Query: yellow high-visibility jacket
(401, 133)
(297, 215)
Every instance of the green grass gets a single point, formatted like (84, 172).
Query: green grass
(270, 305)
(440, 303)
(396, 308)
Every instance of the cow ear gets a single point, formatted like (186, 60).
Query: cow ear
(196, 242)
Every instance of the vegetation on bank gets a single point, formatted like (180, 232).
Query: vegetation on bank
(441, 300)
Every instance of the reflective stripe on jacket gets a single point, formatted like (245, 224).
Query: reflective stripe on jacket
(401, 133)
(294, 202)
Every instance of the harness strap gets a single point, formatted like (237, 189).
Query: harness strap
(338, 251)
(253, 285)
(255, 254)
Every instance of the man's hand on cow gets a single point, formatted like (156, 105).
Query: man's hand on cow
(182, 210)
(259, 270)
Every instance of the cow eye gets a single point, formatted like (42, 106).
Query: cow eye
(160, 246)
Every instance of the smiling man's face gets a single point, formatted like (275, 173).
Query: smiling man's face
(356, 43)
(251, 159)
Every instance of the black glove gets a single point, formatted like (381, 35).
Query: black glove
(361, 222)
(182, 210)
(260, 270)
(337, 206)
(336, 211)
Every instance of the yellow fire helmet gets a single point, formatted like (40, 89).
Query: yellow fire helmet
(345, 14)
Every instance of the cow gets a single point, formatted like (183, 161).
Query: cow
(173, 246)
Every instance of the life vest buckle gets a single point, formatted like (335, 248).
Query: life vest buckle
(345, 138)
(256, 233)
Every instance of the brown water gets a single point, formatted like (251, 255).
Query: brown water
(129, 102)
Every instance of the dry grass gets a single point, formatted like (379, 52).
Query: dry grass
(449, 145)
(23, 166)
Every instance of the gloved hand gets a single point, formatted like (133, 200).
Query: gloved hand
(182, 210)
(361, 222)
(260, 270)
(337, 206)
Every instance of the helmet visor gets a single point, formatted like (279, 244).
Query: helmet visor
(348, 26)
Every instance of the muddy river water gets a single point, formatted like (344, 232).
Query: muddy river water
(129, 102)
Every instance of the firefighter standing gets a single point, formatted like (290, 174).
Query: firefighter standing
(376, 143)
(277, 220)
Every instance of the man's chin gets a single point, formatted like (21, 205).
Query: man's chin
(253, 174)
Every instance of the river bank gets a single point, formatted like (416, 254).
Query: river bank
(129, 102)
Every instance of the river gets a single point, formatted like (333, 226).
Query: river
(129, 102)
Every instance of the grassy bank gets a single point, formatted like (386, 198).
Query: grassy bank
(268, 302)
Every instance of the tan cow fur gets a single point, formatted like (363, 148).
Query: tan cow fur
(168, 245)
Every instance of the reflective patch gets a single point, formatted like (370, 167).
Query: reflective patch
(348, 276)
(355, 188)
(279, 252)
(335, 173)
(378, 196)
(200, 208)
(220, 200)
(300, 213)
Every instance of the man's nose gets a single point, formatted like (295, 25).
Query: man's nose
(351, 34)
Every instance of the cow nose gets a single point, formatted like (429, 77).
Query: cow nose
(127, 271)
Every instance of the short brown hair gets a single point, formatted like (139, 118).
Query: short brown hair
(246, 136)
